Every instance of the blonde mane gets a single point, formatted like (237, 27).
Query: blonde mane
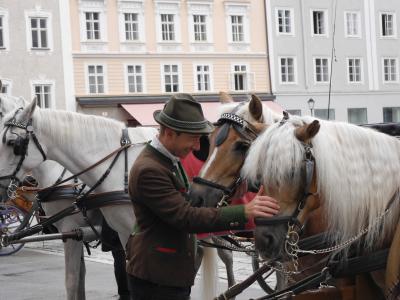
(356, 169)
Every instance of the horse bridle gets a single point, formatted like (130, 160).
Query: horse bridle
(247, 131)
(20, 144)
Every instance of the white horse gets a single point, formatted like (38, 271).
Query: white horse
(46, 175)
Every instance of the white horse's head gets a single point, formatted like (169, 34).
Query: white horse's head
(20, 150)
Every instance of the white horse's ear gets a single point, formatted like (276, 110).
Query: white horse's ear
(307, 131)
(255, 107)
(28, 110)
(225, 97)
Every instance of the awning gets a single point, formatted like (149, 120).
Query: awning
(143, 113)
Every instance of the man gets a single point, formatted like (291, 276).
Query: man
(161, 251)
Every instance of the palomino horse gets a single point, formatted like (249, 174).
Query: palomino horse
(354, 180)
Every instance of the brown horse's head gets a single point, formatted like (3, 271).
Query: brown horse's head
(239, 125)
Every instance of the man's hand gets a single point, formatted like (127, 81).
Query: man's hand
(261, 206)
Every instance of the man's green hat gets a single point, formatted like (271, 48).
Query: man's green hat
(184, 114)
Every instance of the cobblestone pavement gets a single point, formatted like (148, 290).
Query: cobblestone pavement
(242, 263)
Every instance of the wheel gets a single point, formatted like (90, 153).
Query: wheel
(267, 281)
(11, 218)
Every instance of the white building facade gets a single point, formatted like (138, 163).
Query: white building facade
(358, 40)
(35, 58)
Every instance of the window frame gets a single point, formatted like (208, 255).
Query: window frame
(346, 25)
(205, 9)
(292, 23)
(5, 30)
(143, 74)
(389, 107)
(210, 75)
(394, 25)
(105, 78)
(248, 74)
(396, 60)
(51, 84)
(315, 70)
(326, 24)
(171, 7)
(294, 70)
(358, 108)
(361, 81)
(179, 73)
(92, 7)
(237, 9)
(38, 13)
(8, 84)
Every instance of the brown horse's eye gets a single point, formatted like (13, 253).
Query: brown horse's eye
(241, 146)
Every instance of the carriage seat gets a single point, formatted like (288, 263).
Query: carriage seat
(392, 129)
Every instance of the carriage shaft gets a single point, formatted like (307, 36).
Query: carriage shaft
(85, 234)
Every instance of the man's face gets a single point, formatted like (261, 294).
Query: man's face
(184, 143)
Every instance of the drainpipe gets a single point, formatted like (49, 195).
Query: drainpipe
(267, 44)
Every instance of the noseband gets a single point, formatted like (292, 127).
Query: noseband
(247, 132)
(20, 144)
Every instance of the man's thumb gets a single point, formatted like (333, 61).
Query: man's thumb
(260, 191)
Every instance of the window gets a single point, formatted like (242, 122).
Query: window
(287, 70)
(323, 114)
(96, 79)
(2, 44)
(391, 114)
(131, 27)
(39, 33)
(357, 115)
(390, 70)
(92, 26)
(203, 80)
(319, 22)
(43, 95)
(352, 20)
(200, 28)
(354, 70)
(321, 70)
(237, 28)
(284, 21)
(294, 112)
(167, 27)
(135, 78)
(4, 89)
(171, 78)
(387, 24)
(240, 78)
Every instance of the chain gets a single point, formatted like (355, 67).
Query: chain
(349, 241)
(12, 189)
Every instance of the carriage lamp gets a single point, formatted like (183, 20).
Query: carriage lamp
(311, 104)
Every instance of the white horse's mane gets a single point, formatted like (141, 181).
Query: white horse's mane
(356, 169)
(269, 116)
(97, 130)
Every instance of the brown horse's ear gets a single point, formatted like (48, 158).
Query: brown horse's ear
(307, 131)
(255, 107)
(225, 97)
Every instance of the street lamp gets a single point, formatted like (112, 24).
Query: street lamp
(311, 104)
